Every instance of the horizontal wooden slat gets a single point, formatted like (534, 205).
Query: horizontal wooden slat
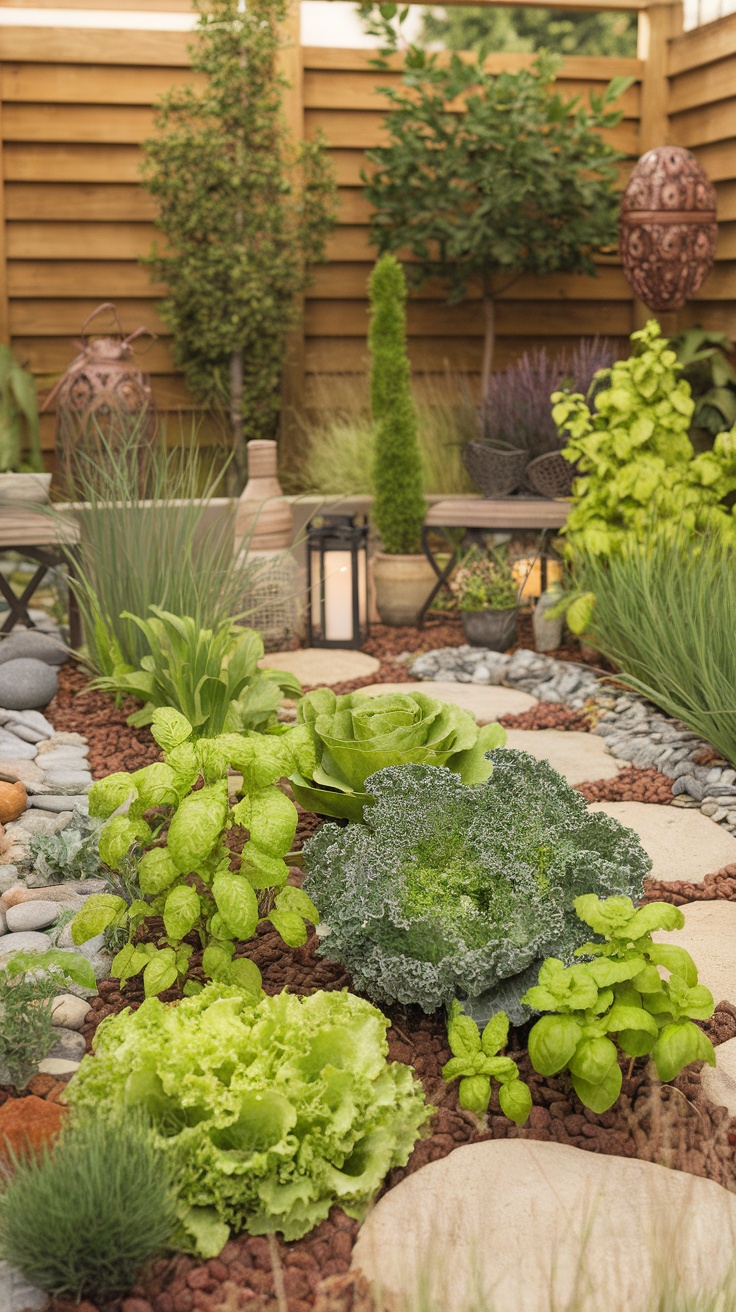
(699, 127)
(703, 86)
(719, 316)
(52, 355)
(717, 159)
(84, 123)
(86, 202)
(365, 129)
(720, 285)
(34, 162)
(703, 45)
(68, 278)
(726, 249)
(348, 281)
(343, 319)
(80, 241)
(74, 45)
(57, 318)
(598, 68)
(726, 199)
(84, 84)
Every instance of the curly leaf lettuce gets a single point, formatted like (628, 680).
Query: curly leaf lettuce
(448, 891)
(272, 1108)
(355, 735)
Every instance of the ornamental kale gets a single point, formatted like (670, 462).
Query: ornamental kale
(189, 880)
(622, 993)
(271, 1109)
(451, 891)
(355, 735)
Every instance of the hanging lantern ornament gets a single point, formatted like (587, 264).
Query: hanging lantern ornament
(668, 228)
(104, 401)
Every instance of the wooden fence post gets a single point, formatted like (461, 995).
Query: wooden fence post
(292, 379)
(661, 21)
(4, 307)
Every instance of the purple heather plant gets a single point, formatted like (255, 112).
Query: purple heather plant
(517, 411)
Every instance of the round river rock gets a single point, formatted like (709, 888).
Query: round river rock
(26, 684)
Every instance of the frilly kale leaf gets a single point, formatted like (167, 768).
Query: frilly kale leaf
(449, 891)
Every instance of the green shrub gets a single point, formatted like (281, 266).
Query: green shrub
(399, 507)
(20, 446)
(83, 1219)
(620, 992)
(28, 983)
(484, 580)
(271, 1108)
(636, 455)
(448, 891)
(661, 609)
(190, 787)
(354, 735)
(210, 675)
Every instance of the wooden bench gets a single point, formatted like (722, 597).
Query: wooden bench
(475, 517)
(42, 538)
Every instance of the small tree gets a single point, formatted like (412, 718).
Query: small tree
(518, 181)
(399, 507)
(244, 211)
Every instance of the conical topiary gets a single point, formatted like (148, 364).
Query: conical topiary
(399, 506)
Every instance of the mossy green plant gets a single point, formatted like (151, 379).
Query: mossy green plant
(399, 506)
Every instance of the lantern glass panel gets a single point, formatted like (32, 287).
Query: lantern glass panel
(338, 574)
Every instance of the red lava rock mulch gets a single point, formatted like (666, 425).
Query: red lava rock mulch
(548, 715)
(630, 785)
(721, 885)
(113, 744)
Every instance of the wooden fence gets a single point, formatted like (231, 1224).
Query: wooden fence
(76, 103)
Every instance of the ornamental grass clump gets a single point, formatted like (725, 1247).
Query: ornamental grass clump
(448, 891)
(83, 1218)
(352, 736)
(270, 1109)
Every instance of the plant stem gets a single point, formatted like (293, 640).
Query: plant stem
(489, 340)
(278, 1275)
(237, 468)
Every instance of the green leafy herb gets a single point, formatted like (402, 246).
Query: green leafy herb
(450, 891)
(72, 853)
(476, 1064)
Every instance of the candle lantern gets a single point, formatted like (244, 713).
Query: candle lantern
(337, 582)
(668, 228)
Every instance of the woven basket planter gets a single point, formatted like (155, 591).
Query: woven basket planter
(496, 473)
(551, 475)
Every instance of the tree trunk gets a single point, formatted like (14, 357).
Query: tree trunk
(489, 341)
(237, 469)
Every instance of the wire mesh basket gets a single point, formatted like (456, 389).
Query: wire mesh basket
(496, 473)
(551, 475)
(274, 598)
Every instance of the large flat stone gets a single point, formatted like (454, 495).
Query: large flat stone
(514, 1224)
(314, 666)
(30, 941)
(709, 935)
(683, 844)
(580, 757)
(719, 1081)
(486, 703)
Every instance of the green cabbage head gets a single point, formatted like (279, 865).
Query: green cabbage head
(355, 735)
(454, 892)
(272, 1109)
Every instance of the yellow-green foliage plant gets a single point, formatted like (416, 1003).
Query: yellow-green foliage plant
(635, 457)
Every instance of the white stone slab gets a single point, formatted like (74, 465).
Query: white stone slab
(486, 703)
(580, 757)
(315, 666)
(683, 844)
(519, 1226)
(719, 1081)
(709, 936)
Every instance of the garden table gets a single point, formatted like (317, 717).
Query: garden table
(477, 516)
(34, 534)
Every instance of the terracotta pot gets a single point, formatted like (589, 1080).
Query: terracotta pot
(263, 519)
(402, 585)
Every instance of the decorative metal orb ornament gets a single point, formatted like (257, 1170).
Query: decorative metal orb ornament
(668, 228)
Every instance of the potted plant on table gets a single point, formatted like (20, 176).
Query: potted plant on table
(402, 575)
(487, 595)
(21, 466)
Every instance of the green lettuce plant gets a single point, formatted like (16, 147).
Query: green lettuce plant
(354, 735)
(475, 1063)
(619, 993)
(210, 675)
(450, 891)
(636, 457)
(271, 1108)
(192, 880)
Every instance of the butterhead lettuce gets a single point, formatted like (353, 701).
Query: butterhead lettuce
(272, 1108)
(354, 735)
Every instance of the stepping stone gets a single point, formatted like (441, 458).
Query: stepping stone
(32, 915)
(682, 844)
(31, 941)
(486, 703)
(719, 1082)
(526, 1226)
(15, 749)
(709, 935)
(48, 802)
(315, 666)
(579, 757)
(26, 684)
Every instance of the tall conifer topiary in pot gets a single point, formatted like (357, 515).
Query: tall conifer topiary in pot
(403, 576)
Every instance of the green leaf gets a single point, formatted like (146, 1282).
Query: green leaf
(621, 1017)
(106, 795)
(516, 1101)
(217, 957)
(236, 903)
(596, 1075)
(675, 959)
(495, 1034)
(160, 973)
(117, 837)
(462, 1033)
(243, 973)
(656, 915)
(678, 1045)
(129, 961)
(552, 1042)
(474, 1094)
(606, 971)
(197, 826)
(155, 785)
(169, 728)
(272, 821)
(99, 911)
(290, 926)
(295, 899)
(181, 911)
(156, 871)
(262, 869)
(455, 1067)
(71, 965)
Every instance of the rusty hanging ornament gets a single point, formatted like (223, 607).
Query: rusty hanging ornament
(104, 402)
(668, 228)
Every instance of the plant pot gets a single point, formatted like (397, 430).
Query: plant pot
(402, 585)
(551, 475)
(496, 473)
(24, 489)
(495, 629)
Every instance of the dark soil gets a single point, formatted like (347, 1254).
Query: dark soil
(113, 744)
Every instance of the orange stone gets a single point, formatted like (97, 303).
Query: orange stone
(27, 1124)
(13, 802)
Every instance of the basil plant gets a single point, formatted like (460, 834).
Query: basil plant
(170, 820)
